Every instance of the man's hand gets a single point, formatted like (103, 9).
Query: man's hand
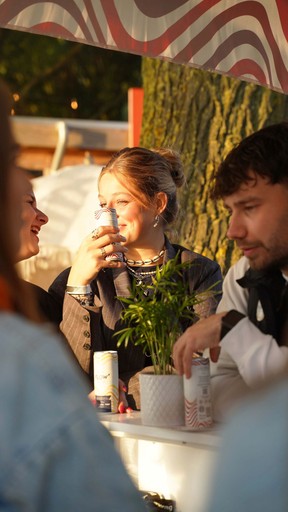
(204, 334)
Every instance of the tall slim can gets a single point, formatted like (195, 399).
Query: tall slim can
(197, 395)
(106, 378)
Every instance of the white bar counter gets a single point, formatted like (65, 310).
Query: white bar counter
(175, 462)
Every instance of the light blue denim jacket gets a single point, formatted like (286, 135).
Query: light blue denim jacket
(54, 453)
(252, 470)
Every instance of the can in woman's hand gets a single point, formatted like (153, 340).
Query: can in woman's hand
(108, 217)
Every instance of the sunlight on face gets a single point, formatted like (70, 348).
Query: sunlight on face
(32, 221)
(259, 222)
(135, 222)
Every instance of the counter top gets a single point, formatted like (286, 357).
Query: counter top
(130, 425)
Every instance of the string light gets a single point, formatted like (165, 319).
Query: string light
(74, 104)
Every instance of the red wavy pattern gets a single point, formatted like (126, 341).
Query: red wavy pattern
(200, 361)
(154, 9)
(282, 10)
(238, 39)
(245, 39)
(191, 416)
(247, 66)
(52, 29)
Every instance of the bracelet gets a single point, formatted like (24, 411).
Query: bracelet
(84, 300)
(79, 290)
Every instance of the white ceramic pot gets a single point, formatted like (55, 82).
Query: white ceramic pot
(162, 400)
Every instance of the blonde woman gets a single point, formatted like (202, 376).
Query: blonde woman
(141, 184)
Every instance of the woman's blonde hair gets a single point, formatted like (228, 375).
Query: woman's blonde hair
(145, 172)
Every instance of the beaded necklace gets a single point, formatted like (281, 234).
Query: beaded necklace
(145, 262)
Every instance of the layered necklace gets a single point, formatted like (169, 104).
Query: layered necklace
(143, 276)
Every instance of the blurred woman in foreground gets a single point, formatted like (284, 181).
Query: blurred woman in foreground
(55, 455)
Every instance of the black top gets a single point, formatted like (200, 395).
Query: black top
(48, 305)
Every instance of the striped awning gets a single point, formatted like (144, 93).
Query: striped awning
(241, 38)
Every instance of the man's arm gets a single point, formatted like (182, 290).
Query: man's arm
(207, 333)
(247, 355)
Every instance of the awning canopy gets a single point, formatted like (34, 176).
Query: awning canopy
(241, 38)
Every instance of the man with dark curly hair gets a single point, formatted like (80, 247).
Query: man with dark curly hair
(250, 324)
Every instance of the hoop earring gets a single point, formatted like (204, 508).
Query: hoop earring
(156, 221)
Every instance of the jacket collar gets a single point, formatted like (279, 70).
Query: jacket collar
(121, 282)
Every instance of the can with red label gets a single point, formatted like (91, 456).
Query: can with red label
(108, 217)
(106, 379)
(197, 395)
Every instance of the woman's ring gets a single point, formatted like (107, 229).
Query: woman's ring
(103, 252)
(95, 234)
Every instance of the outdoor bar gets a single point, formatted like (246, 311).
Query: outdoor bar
(219, 71)
(175, 462)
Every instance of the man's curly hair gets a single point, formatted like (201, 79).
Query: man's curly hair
(265, 153)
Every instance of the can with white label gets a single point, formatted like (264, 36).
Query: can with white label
(108, 217)
(197, 395)
(106, 379)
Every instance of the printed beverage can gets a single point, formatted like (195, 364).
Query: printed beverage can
(106, 380)
(197, 395)
(108, 217)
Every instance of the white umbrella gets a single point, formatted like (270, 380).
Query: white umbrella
(69, 198)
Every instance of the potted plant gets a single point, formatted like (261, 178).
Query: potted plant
(151, 316)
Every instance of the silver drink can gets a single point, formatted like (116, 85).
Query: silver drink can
(106, 379)
(197, 395)
(108, 217)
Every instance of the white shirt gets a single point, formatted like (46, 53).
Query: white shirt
(247, 355)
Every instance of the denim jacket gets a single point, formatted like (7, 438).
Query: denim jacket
(55, 454)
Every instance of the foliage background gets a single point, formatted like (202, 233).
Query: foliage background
(49, 73)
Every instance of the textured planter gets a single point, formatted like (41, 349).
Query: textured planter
(162, 400)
